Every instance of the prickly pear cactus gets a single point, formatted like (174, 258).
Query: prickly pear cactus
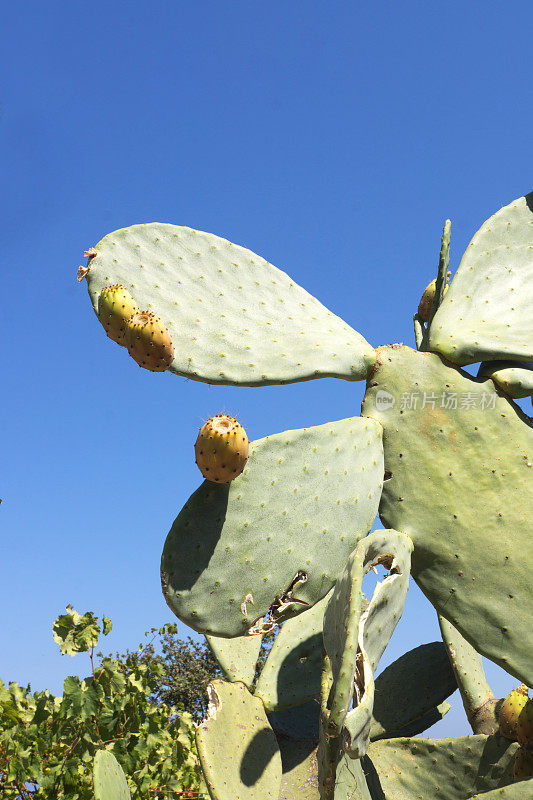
(445, 458)
(108, 778)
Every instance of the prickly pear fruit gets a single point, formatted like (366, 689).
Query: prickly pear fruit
(524, 726)
(115, 307)
(523, 764)
(510, 710)
(424, 307)
(221, 449)
(149, 342)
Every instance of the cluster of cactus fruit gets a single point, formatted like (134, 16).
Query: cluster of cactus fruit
(280, 534)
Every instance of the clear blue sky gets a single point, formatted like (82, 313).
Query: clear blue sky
(333, 138)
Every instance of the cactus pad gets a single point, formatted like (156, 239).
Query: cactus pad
(440, 769)
(238, 750)
(418, 681)
(108, 778)
(237, 657)
(233, 317)
(450, 442)
(274, 540)
(486, 314)
(349, 633)
(299, 780)
(515, 378)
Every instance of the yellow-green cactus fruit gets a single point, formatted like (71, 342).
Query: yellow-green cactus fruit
(221, 449)
(523, 764)
(115, 307)
(424, 307)
(510, 710)
(149, 342)
(524, 726)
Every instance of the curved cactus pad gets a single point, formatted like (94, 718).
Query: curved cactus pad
(108, 778)
(274, 540)
(451, 442)
(355, 640)
(237, 657)
(297, 722)
(486, 313)
(418, 681)
(515, 378)
(238, 750)
(291, 674)
(350, 783)
(233, 317)
(440, 769)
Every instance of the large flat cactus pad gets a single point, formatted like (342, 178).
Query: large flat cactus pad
(459, 463)
(233, 317)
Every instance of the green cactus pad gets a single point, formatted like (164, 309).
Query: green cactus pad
(237, 657)
(108, 778)
(348, 632)
(486, 314)
(304, 500)
(467, 664)
(418, 681)
(233, 317)
(238, 750)
(523, 790)
(291, 674)
(515, 378)
(297, 722)
(299, 780)
(350, 783)
(417, 725)
(460, 486)
(440, 769)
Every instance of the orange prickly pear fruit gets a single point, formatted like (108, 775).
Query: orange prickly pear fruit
(424, 307)
(524, 726)
(115, 307)
(510, 710)
(149, 342)
(523, 764)
(221, 449)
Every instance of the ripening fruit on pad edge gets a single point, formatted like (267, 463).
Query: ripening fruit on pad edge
(149, 342)
(221, 449)
(523, 764)
(510, 710)
(426, 301)
(524, 726)
(115, 307)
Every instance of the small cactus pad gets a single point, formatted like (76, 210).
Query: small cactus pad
(291, 674)
(237, 657)
(450, 442)
(148, 341)
(510, 710)
(487, 312)
(438, 769)
(524, 725)
(108, 778)
(221, 449)
(418, 681)
(515, 378)
(115, 307)
(233, 317)
(273, 541)
(523, 765)
(238, 750)
(349, 633)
